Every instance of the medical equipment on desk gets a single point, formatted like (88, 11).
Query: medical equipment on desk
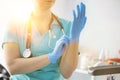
(109, 70)
(27, 52)
(106, 66)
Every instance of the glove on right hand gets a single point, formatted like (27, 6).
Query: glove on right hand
(59, 49)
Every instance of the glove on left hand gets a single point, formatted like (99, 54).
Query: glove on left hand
(78, 23)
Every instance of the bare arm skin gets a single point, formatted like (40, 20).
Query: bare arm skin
(17, 65)
(69, 60)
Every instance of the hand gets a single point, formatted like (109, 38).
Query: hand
(78, 23)
(59, 49)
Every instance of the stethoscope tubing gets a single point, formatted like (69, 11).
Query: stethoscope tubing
(49, 40)
(28, 42)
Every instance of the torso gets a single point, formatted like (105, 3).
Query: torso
(39, 46)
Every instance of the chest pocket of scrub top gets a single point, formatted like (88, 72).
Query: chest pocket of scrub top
(40, 44)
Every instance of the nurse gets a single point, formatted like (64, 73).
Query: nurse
(45, 47)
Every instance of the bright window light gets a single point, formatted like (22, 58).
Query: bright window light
(19, 9)
(16, 8)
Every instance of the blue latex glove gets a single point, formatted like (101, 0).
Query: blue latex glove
(78, 23)
(59, 49)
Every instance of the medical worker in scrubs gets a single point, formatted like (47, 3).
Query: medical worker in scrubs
(45, 47)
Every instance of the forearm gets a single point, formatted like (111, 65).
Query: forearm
(26, 65)
(69, 60)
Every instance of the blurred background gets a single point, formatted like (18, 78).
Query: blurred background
(102, 29)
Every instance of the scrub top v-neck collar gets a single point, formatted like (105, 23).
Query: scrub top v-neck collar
(39, 43)
(34, 29)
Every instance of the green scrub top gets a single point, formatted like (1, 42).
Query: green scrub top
(17, 32)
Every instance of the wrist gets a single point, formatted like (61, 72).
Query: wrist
(52, 58)
(76, 40)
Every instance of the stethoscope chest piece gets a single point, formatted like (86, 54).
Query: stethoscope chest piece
(27, 53)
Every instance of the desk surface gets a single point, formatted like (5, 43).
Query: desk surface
(104, 70)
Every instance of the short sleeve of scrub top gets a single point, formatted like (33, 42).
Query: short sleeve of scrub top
(10, 34)
(16, 33)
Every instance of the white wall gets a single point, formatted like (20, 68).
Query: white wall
(63, 8)
(103, 23)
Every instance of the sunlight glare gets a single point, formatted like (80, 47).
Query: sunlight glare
(21, 9)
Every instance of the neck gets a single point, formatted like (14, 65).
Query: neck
(42, 19)
(42, 14)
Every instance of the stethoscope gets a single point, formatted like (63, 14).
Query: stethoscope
(27, 51)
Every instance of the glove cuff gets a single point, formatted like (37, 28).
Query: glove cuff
(74, 39)
(52, 58)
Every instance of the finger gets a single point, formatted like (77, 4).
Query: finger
(78, 11)
(65, 45)
(66, 42)
(82, 6)
(63, 41)
(84, 21)
(60, 46)
(74, 15)
(64, 37)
